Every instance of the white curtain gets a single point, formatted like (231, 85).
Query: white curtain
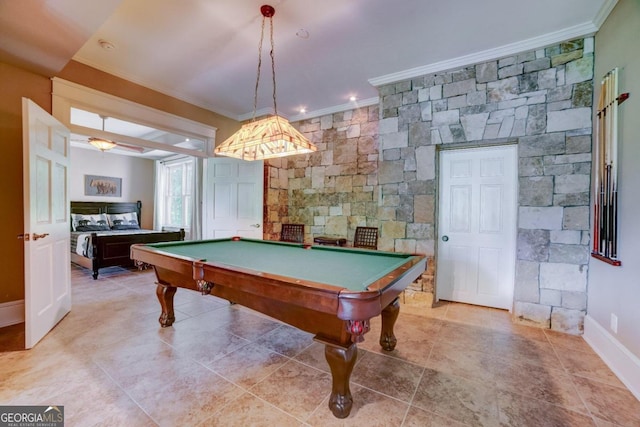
(159, 199)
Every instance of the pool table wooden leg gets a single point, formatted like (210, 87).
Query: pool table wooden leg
(341, 361)
(389, 316)
(165, 295)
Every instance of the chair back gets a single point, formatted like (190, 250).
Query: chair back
(366, 237)
(292, 233)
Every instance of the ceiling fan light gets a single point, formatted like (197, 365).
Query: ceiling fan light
(102, 144)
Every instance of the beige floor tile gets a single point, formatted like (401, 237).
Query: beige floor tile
(369, 409)
(417, 417)
(588, 364)
(295, 388)
(387, 375)
(249, 410)
(248, 365)
(519, 411)
(470, 402)
(467, 337)
(286, 340)
(469, 364)
(609, 403)
(540, 383)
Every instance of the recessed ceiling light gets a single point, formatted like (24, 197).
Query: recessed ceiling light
(352, 98)
(303, 110)
(302, 33)
(106, 45)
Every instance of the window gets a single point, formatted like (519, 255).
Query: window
(177, 190)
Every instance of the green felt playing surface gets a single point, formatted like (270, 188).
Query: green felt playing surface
(348, 268)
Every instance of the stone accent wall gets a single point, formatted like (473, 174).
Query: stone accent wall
(377, 167)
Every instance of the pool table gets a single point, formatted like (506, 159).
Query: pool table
(331, 292)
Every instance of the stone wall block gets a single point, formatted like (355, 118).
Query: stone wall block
(394, 140)
(574, 300)
(391, 172)
(530, 166)
(420, 231)
(535, 191)
(529, 313)
(571, 199)
(543, 218)
(537, 120)
(425, 161)
(392, 101)
(503, 89)
(509, 71)
(533, 245)
(576, 218)
(419, 134)
(572, 183)
(551, 297)
(537, 65)
(527, 288)
(458, 88)
(574, 118)
(424, 209)
(567, 321)
(563, 277)
(569, 254)
(445, 118)
(541, 145)
(565, 57)
(394, 229)
(578, 144)
(566, 237)
(579, 70)
(474, 125)
(487, 72)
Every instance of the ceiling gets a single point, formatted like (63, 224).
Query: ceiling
(206, 51)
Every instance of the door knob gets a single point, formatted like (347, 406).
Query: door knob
(37, 236)
(255, 225)
(445, 238)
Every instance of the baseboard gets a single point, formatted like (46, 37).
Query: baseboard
(11, 313)
(620, 360)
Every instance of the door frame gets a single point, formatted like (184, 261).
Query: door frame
(458, 147)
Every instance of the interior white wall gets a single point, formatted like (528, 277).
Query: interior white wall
(137, 178)
(616, 290)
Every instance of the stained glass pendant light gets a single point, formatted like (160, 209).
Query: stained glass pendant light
(269, 137)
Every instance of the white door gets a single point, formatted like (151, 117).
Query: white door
(47, 289)
(233, 198)
(477, 226)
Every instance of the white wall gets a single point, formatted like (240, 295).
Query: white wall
(137, 178)
(616, 290)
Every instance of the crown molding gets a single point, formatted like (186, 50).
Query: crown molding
(604, 12)
(336, 109)
(581, 30)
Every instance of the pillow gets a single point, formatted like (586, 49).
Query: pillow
(92, 227)
(95, 220)
(124, 221)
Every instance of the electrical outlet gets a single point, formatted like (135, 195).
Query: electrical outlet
(614, 323)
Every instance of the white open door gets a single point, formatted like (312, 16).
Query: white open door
(46, 236)
(477, 226)
(233, 198)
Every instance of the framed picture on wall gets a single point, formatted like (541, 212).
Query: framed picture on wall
(109, 186)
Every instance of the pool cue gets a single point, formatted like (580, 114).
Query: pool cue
(597, 170)
(614, 167)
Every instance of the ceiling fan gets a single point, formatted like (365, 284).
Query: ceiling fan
(103, 144)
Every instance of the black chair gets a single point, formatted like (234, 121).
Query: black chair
(366, 237)
(292, 233)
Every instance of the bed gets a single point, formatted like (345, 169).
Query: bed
(103, 232)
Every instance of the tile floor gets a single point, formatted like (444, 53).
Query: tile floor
(109, 363)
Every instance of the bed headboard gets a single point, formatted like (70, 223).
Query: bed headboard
(87, 208)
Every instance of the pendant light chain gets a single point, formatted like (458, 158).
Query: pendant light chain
(273, 67)
(255, 94)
